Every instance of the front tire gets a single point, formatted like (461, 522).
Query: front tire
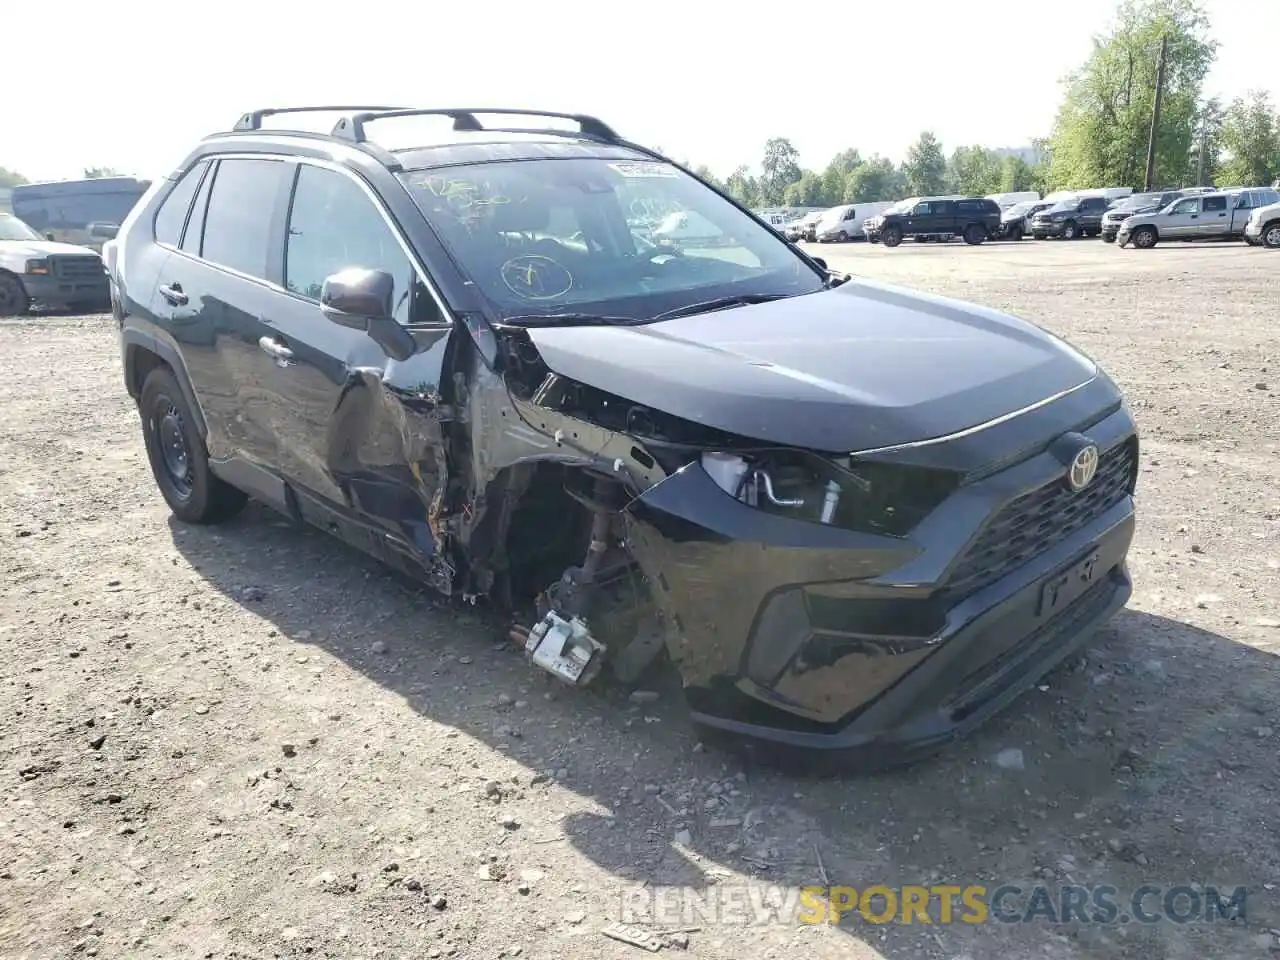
(179, 460)
(1271, 235)
(1070, 231)
(1108, 238)
(1144, 238)
(892, 236)
(14, 301)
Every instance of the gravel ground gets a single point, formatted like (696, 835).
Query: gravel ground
(251, 742)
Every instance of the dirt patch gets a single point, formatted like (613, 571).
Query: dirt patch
(250, 741)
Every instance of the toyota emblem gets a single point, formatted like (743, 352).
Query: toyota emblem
(1083, 467)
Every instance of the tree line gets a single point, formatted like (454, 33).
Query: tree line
(1099, 137)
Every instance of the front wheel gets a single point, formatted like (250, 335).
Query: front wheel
(179, 460)
(974, 234)
(892, 236)
(1070, 231)
(1271, 235)
(1144, 238)
(1108, 238)
(13, 296)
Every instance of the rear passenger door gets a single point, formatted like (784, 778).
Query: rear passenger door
(1215, 217)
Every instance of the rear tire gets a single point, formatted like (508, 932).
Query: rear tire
(179, 460)
(974, 234)
(892, 236)
(1015, 233)
(1144, 238)
(14, 301)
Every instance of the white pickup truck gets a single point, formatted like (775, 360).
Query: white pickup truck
(1209, 216)
(1263, 228)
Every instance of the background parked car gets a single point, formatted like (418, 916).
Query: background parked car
(845, 222)
(1264, 227)
(1122, 210)
(936, 218)
(1208, 216)
(1006, 200)
(804, 228)
(1071, 218)
(1015, 220)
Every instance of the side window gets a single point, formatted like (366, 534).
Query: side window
(334, 225)
(237, 224)
(193, 236)
(1215, 204)
(172, 215)
(1189, 205)
(921, 209)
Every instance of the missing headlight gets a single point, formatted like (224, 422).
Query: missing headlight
(867, 497)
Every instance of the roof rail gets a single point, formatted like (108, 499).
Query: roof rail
(253, 119)
(464, 118)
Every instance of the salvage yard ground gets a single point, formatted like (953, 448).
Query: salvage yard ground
(252, 742)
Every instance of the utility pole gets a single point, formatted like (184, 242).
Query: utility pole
(1155, 114)
(1204, 146)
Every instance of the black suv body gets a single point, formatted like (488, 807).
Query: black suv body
(856, 519)
(975, 219)
(1071, 218)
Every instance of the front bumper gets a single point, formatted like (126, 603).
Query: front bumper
(1047, 228)
(57, 293)
(819, 646)
(1253, 231)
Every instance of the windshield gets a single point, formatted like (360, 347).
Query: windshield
(1139, 200)
(611, 238)
(1021, 209)
(11, 228)
(903, 205)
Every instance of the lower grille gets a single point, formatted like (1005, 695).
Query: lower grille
(76, 267)
(1041, 519)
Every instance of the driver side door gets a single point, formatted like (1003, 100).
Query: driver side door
(363, 430)
(1182, 221)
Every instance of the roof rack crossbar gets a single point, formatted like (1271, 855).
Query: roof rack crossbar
(464, 118)
(253, 119)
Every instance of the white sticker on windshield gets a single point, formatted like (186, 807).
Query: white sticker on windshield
(641, 170)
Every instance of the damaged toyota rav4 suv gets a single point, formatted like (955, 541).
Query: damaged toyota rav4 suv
(856, 519)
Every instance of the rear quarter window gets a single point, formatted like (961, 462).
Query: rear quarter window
(237, 225)
(172, 215)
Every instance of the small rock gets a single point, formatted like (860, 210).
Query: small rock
(492, 788)
(391, 867)
(1196, 548)
(378, 646)
(510, 823)
(522, 704)
(464, 660)
(439, 902)
(504, 700)
(643, 696)
(202, 709)
(684, 838)
(1260, 385)
(253, 594)
(522, 887)
(1203, 600)
(1010, 759)
(289, 749)
(97, 742)
(488, 872)
(413, 884)
(575, 917)
(1262, 732)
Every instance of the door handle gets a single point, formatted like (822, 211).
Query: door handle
(173, 293)
(275, 349)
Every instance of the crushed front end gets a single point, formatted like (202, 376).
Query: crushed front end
(870, 611)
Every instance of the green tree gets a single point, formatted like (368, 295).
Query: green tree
(809, 191)
(877, 179)
(780, 169)
(1015, 175)
(703, 172)
(94, 173)
(743, 187)
(1204, 170)
(11, 178)
(1251, 141)
(974, 170)
(925, 167)
(1101, 131)
(837, 172)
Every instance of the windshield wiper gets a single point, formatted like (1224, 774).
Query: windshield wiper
(567, 320)
(720, 303)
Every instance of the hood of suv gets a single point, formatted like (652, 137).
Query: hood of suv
(862, 366)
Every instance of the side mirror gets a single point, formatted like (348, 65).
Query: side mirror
(820, 262)
(363, 300)
(48, 235)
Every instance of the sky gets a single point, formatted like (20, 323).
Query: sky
(132, 84)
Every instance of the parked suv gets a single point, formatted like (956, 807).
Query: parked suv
(935, 218)
(460, 359)
(1263, 228)
(1070, 218)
